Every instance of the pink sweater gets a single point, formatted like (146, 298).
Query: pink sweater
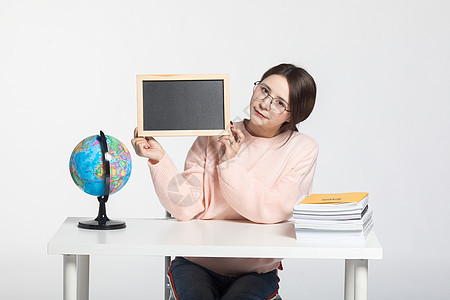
(261, 184)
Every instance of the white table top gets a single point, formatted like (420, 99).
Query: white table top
(203, 238)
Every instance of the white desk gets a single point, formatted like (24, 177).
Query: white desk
(213, 238)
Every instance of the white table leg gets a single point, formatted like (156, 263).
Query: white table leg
(83, 277)
(361, 279)
(75, 277)
(167, 260)
(349, 287)
(70, 277)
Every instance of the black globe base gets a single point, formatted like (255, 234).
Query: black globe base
(97, 225)
(102, 222)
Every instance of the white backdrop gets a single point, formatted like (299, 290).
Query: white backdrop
(67, 70)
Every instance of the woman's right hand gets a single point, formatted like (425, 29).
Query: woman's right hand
(147, 147)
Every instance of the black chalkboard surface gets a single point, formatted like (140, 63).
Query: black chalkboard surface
(182, 105)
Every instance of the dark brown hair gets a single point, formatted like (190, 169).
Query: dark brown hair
(302, 93)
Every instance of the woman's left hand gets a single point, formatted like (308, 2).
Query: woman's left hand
(231, 144)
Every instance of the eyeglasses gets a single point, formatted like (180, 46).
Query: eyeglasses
(261, 92)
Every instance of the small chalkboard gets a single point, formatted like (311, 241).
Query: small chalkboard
(183, 105)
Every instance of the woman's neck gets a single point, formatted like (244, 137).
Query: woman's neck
(258, 131)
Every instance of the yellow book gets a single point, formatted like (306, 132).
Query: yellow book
(342, 198)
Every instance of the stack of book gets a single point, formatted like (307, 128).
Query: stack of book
(338, 217)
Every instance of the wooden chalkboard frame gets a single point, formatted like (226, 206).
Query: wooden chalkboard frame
(224, 130)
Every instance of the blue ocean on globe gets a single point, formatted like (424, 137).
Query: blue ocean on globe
(86, 165)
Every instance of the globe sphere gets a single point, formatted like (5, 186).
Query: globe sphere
(86, 165)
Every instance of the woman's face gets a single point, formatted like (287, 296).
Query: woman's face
(262, 118)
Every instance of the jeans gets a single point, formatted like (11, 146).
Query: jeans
(191, 281)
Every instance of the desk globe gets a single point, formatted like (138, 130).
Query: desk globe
(100, 165)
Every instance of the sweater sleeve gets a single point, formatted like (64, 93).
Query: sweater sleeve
(264, 204)
(181, 194)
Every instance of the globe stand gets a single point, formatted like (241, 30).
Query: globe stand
(102, 222)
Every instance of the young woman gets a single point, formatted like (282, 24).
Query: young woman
(257, 173)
